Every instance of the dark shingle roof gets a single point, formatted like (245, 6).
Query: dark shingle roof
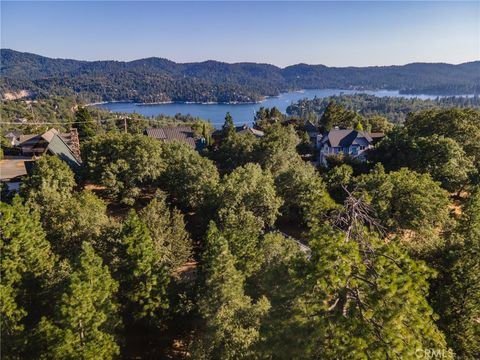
(243, 129)
(27, 140)
(310, 127)
(345, 138)
(179, 133)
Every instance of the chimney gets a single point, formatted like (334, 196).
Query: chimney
(75, 142)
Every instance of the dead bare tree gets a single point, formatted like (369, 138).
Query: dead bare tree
(356, 215)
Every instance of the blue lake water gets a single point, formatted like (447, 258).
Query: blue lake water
(241, 113)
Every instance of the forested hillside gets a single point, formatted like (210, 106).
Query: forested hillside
(157, 80)
(395, 109)
(154, 250)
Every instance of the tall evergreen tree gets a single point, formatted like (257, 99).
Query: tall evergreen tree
(357, 297)
(456, 294)
(329, 118)
(24, 253)
(228, 128)
(167, 228)
(142, 275)
(278, 148)
(242, 230)
(84, 123)
(85, 322)
(232, 320)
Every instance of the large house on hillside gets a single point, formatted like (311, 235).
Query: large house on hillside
(347, 142)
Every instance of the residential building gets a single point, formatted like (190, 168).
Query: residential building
(347, 142)
(66, 146)
(14, 167)
(36, 144)
(242, 129)
(176, 133)
(312, 131)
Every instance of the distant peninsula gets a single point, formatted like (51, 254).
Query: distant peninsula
(154, 80)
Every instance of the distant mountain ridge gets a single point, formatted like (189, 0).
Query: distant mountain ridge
(157, 79)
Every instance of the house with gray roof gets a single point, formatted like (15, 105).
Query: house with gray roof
(36, 144)
(241, 130)
(347, 142)
(13, 168)
(244, 129)
(176, 133)
(66, 146)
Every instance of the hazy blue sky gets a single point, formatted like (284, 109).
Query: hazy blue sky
(281, 33)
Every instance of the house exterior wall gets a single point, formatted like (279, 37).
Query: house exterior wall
(354, 151)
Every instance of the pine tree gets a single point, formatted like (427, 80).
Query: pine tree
(242, 230)
(329, 117)
(232, 320)
(228, 128)
(167, 228)
(357, 297)
(206, 135)
(143, 277)
(24, 252)
(84, 123)
(86, 319)
(359, 126)
(456, 294)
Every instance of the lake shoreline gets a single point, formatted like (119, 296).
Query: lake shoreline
(265, 98)
(180, 102)
(242, 113)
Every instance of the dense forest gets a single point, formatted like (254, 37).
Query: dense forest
(157, 80)
(395, 109)
(154, 250)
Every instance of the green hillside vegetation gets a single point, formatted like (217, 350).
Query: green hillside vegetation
(64, 112)
(395, 109)
(157, 79)
(157, 251)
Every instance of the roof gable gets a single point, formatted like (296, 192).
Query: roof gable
(346, 138)
(58, 147)
(172, 133)
(310, 127)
